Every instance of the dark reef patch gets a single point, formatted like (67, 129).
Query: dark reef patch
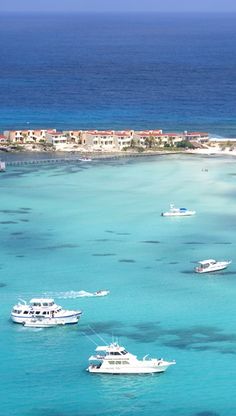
(60, 246)
(8, 222)
(151, 241)
(127, 261)
(123, 234)
(20, 255)
(2, 284)
(194, 243)
(17, 233)
(13, 211)
(187, 271)
(223, 242)
(103, 328)
(102, 240)
(23, 220)
(206, 413)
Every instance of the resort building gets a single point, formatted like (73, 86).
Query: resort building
(26, 136)
(3, 139)
(56, 137)
(104, 140)
(196, 136)
(76, 136)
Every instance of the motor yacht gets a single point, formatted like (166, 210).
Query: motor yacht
(211, 265)
(178, 212)
(41, 322)
(43, 308)
(116, 360)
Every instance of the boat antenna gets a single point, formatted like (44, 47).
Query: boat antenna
(103, 340)
(90, 339)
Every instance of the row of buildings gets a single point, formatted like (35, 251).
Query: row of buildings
(101, 140)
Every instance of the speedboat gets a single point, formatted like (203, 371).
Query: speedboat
(178, 212)
(85, 159)
(116, 360)
(101, 293)
(211, 265)
(43, 308)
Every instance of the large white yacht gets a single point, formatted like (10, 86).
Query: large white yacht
(116, 360)
(211, 265)
(43, 308)
(178, 212)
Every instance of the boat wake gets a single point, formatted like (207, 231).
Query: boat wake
(72, 294)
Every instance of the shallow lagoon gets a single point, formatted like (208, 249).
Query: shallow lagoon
(94, 226)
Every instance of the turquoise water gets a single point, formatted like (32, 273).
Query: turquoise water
(94, 226)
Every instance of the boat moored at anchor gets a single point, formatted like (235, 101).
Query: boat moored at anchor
(178, 212)
(211, 265)
(39, 309)
(115, 359)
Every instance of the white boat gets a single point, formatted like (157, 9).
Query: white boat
(101, 293)
(116, 360)
(178, 212)
(41, 322)
(43, 308)
(2, 166)
(211, 265)
(85, 159)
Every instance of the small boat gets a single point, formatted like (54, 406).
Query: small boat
(2, 166)
(211, 265)
(178, 212)
(85, 159)
(101, 293)
(39, 308)
(116, 360)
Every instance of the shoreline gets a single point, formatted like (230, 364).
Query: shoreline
(8, 156)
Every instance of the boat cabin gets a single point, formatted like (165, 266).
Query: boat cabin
(206, 263)
(42, 303)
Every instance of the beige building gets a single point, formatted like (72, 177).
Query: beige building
(26, 136)
(56, 137)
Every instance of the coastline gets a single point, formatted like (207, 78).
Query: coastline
(39, 153)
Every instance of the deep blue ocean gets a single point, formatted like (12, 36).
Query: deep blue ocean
(173, 72)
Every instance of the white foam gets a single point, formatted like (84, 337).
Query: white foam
(72, 294)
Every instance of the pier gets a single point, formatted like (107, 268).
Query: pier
(44, 161)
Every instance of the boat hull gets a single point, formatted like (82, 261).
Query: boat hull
(179, 214)
(73, 319)
(134, 370)
(211, 269)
